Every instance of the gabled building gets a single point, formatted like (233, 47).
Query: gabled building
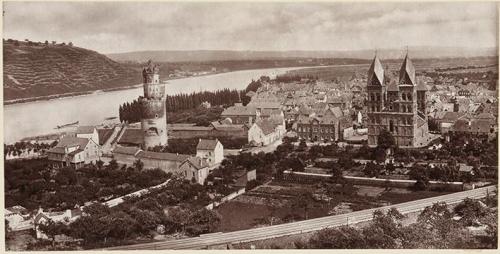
(195, 169)
(89, 132)
(263, 133)
(74, 151)
(321, 125)
(240, 114)
(211, 150)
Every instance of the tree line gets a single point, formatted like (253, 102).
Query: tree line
(132, 112)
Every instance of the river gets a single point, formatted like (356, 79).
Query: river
(41, 117)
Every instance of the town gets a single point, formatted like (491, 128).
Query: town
(154, 150)
(381, 130)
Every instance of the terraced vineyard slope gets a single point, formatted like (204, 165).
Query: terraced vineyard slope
(37, 70)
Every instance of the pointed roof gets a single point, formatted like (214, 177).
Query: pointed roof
(196, 162)
(376, 72)
(407, 72)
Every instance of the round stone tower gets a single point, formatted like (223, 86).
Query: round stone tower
(154, 117)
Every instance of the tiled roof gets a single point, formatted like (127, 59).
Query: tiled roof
(68, 141)
(126, 150)
(239, 111)
(197, 162)
(58, 150)
(162, 156)
(16, 209)
(265, 105)
(85, 129)
(266, 126)
(132, 136)
(75, 152)
(337, 112)
(207, 144)
(185, 127)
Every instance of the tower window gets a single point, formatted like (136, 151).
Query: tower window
(409, 96)
(403, 96)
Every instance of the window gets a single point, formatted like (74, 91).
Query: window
(409, 96)
(403, 95)
(372, 97)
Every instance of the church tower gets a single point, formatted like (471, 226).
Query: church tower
(399, 107)
(154, 117)
(375, 101)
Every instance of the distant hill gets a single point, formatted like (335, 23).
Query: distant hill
(35, 69)
(225, 55)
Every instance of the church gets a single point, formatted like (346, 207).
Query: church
(396, 105)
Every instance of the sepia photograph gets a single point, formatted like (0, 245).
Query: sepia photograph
(230, 125)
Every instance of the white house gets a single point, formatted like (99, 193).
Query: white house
(89, 132)
(211, 150)
(195, 168)
(263, 133)
(75, 151)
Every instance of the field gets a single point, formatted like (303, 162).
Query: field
(483, 64)
(274, 203)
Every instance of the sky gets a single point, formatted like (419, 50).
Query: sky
(137, 26)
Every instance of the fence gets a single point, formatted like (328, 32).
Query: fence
(303, 177)
(225, 199)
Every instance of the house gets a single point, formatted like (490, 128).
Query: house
(195, 169)
(125, 155)
(321, 125)
(168, 162)
(263, 133)
(240, 114)
(66, 217)
(210, 150)
(18, 218)
(89, 132)
(74, 151)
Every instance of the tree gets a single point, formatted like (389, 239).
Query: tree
(386, 140)
(303, 201)
(99, 164)
(51, 229)
(97, 210)
(341, 238)
(138, 165)
(145, 220)
(90, 228)
(471, 211)
(203, 221)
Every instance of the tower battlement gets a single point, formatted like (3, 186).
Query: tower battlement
(154, 117)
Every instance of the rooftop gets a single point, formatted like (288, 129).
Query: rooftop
(207, 144)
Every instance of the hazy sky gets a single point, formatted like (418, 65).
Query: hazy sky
(129, 26)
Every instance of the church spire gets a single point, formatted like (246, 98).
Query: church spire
(407, 71)
(376, 72)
